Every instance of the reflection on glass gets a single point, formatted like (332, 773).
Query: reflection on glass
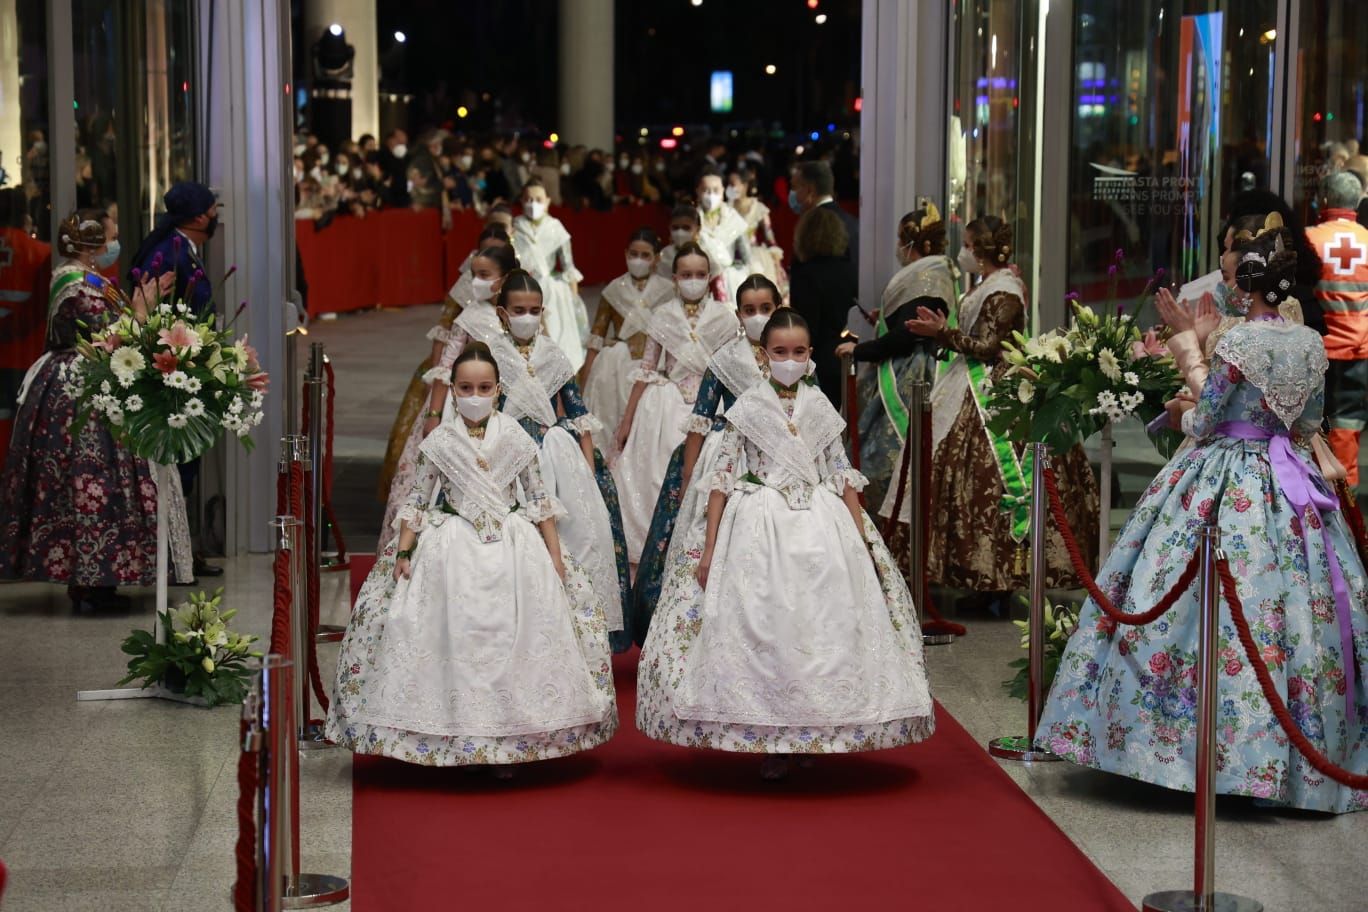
(24, 154)
(1332, 89)
(1172, 109)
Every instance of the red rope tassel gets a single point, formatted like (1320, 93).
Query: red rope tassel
(1318, 761)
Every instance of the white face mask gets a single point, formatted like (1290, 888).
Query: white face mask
(968, 262)
(323, 159)
(535, 209)
(342, 169)
(693, 289)
(465, 161)
(565, 168)
(526, 158)
(636, 168)
(300, 150)
(524, 326)
(400, 150)
(482, 289)
(638, 267)
(622, 162)
(681, 236)
(733, 193)
(711, 200)
(755, 325)
(787, 373)
(475, 408)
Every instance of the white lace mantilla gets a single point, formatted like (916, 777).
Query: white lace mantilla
(691, 344)
(527, 384)
(1285, 361)
(634, 304)
(796, 444)
(736, 366)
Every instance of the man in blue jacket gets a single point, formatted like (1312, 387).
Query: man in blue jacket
(177, 243)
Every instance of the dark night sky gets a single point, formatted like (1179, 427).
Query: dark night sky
(666, 50)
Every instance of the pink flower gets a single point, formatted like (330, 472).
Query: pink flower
(166, 361)
(1233, 667)
(108, 343)
(253, 364)
(1149, 346)
(259, 382)
(179, 336)
(1159, 663)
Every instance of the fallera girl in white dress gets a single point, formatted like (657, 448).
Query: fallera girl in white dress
(479, 641)
(487, 270)
(683, 332)
(617, 339)
(723, 234)
(788, 629)
(543, 246)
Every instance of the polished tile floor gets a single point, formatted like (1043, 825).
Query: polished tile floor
(128, 805)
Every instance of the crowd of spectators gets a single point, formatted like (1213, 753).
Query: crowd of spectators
(452, 171)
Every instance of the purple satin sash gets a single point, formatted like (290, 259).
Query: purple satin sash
(1294, 478)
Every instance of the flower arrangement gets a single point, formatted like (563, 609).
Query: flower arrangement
(166, 383)
(1060, 623)
(1067, 384)
(202, 657)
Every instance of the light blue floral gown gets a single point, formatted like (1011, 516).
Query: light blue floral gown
(1124, 699)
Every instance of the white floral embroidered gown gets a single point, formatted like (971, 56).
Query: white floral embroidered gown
(483, 655)
(682, 337)
(619, 337)
(806, 640)
(544, 250)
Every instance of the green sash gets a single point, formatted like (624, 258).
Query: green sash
(1016, 473)
(888, 388)
(60, 284)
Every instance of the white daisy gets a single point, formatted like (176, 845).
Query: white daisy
(1025, 391)
(1107, 363)
(193, 385)
(176, 379)
(194, 408)
(133, 403)
(177, 421)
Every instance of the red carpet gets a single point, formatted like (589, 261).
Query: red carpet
(642, 825)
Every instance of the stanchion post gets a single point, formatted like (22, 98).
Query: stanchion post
(296, 890)
(315, 383)
(919, 403)
(270, 720)
(1203, 896)
(1015, 747)
(310, 735)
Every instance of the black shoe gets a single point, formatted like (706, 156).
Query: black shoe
(204, 568)
(98, 600)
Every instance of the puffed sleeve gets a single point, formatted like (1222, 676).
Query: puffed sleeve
(567, 263)
(1309, 422)
(578, 416)
(451, 309)
(441, 371)
(598, 333)
(537, 503)
(728, 466)
(414, 510)
(646, 370)
(700, 420)
(1220, 386)
(1001, 314)
(836, 471)
(1189, 358)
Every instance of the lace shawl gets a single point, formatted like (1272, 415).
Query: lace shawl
(1284, 361)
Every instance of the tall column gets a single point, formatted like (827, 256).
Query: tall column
(11, 127)
(586, 73)
(357, 18)
(247, 137)
(903, 126)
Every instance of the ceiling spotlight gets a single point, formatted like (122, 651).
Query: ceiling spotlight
(335, 30)
(820, 19)
(771, 69)
(696, 2)
(400, 37)
(462, 111)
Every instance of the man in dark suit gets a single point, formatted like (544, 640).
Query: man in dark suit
(813, 186)
(176, 244)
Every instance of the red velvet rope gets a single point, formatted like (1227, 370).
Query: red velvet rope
(245, 887)
(1080, 566)
(333, 526)
(1318, 761)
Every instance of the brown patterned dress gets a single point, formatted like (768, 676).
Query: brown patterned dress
(971, 545)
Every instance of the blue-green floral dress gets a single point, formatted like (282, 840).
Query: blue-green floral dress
(1124, 699)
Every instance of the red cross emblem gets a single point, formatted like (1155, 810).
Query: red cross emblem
(1344, 253)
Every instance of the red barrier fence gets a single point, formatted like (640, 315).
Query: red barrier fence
(401, 257)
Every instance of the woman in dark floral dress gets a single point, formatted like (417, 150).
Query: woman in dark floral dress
(75, 508)
(975, 543)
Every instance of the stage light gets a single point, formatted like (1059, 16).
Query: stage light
(400, 37)
(335, 30)
(554, 137)
(463, 111)
(1269, 36)
(645, 132)
(814, 136)
(677, 131)
(812, 4)
(696, 2)
(771, 69)
(820, 19)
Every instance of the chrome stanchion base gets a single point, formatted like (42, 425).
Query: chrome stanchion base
(308, 890)
(329, 633)
(937, 639)
(330, 563)
(1188, 901)
(311, 738)
(1018, 747)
